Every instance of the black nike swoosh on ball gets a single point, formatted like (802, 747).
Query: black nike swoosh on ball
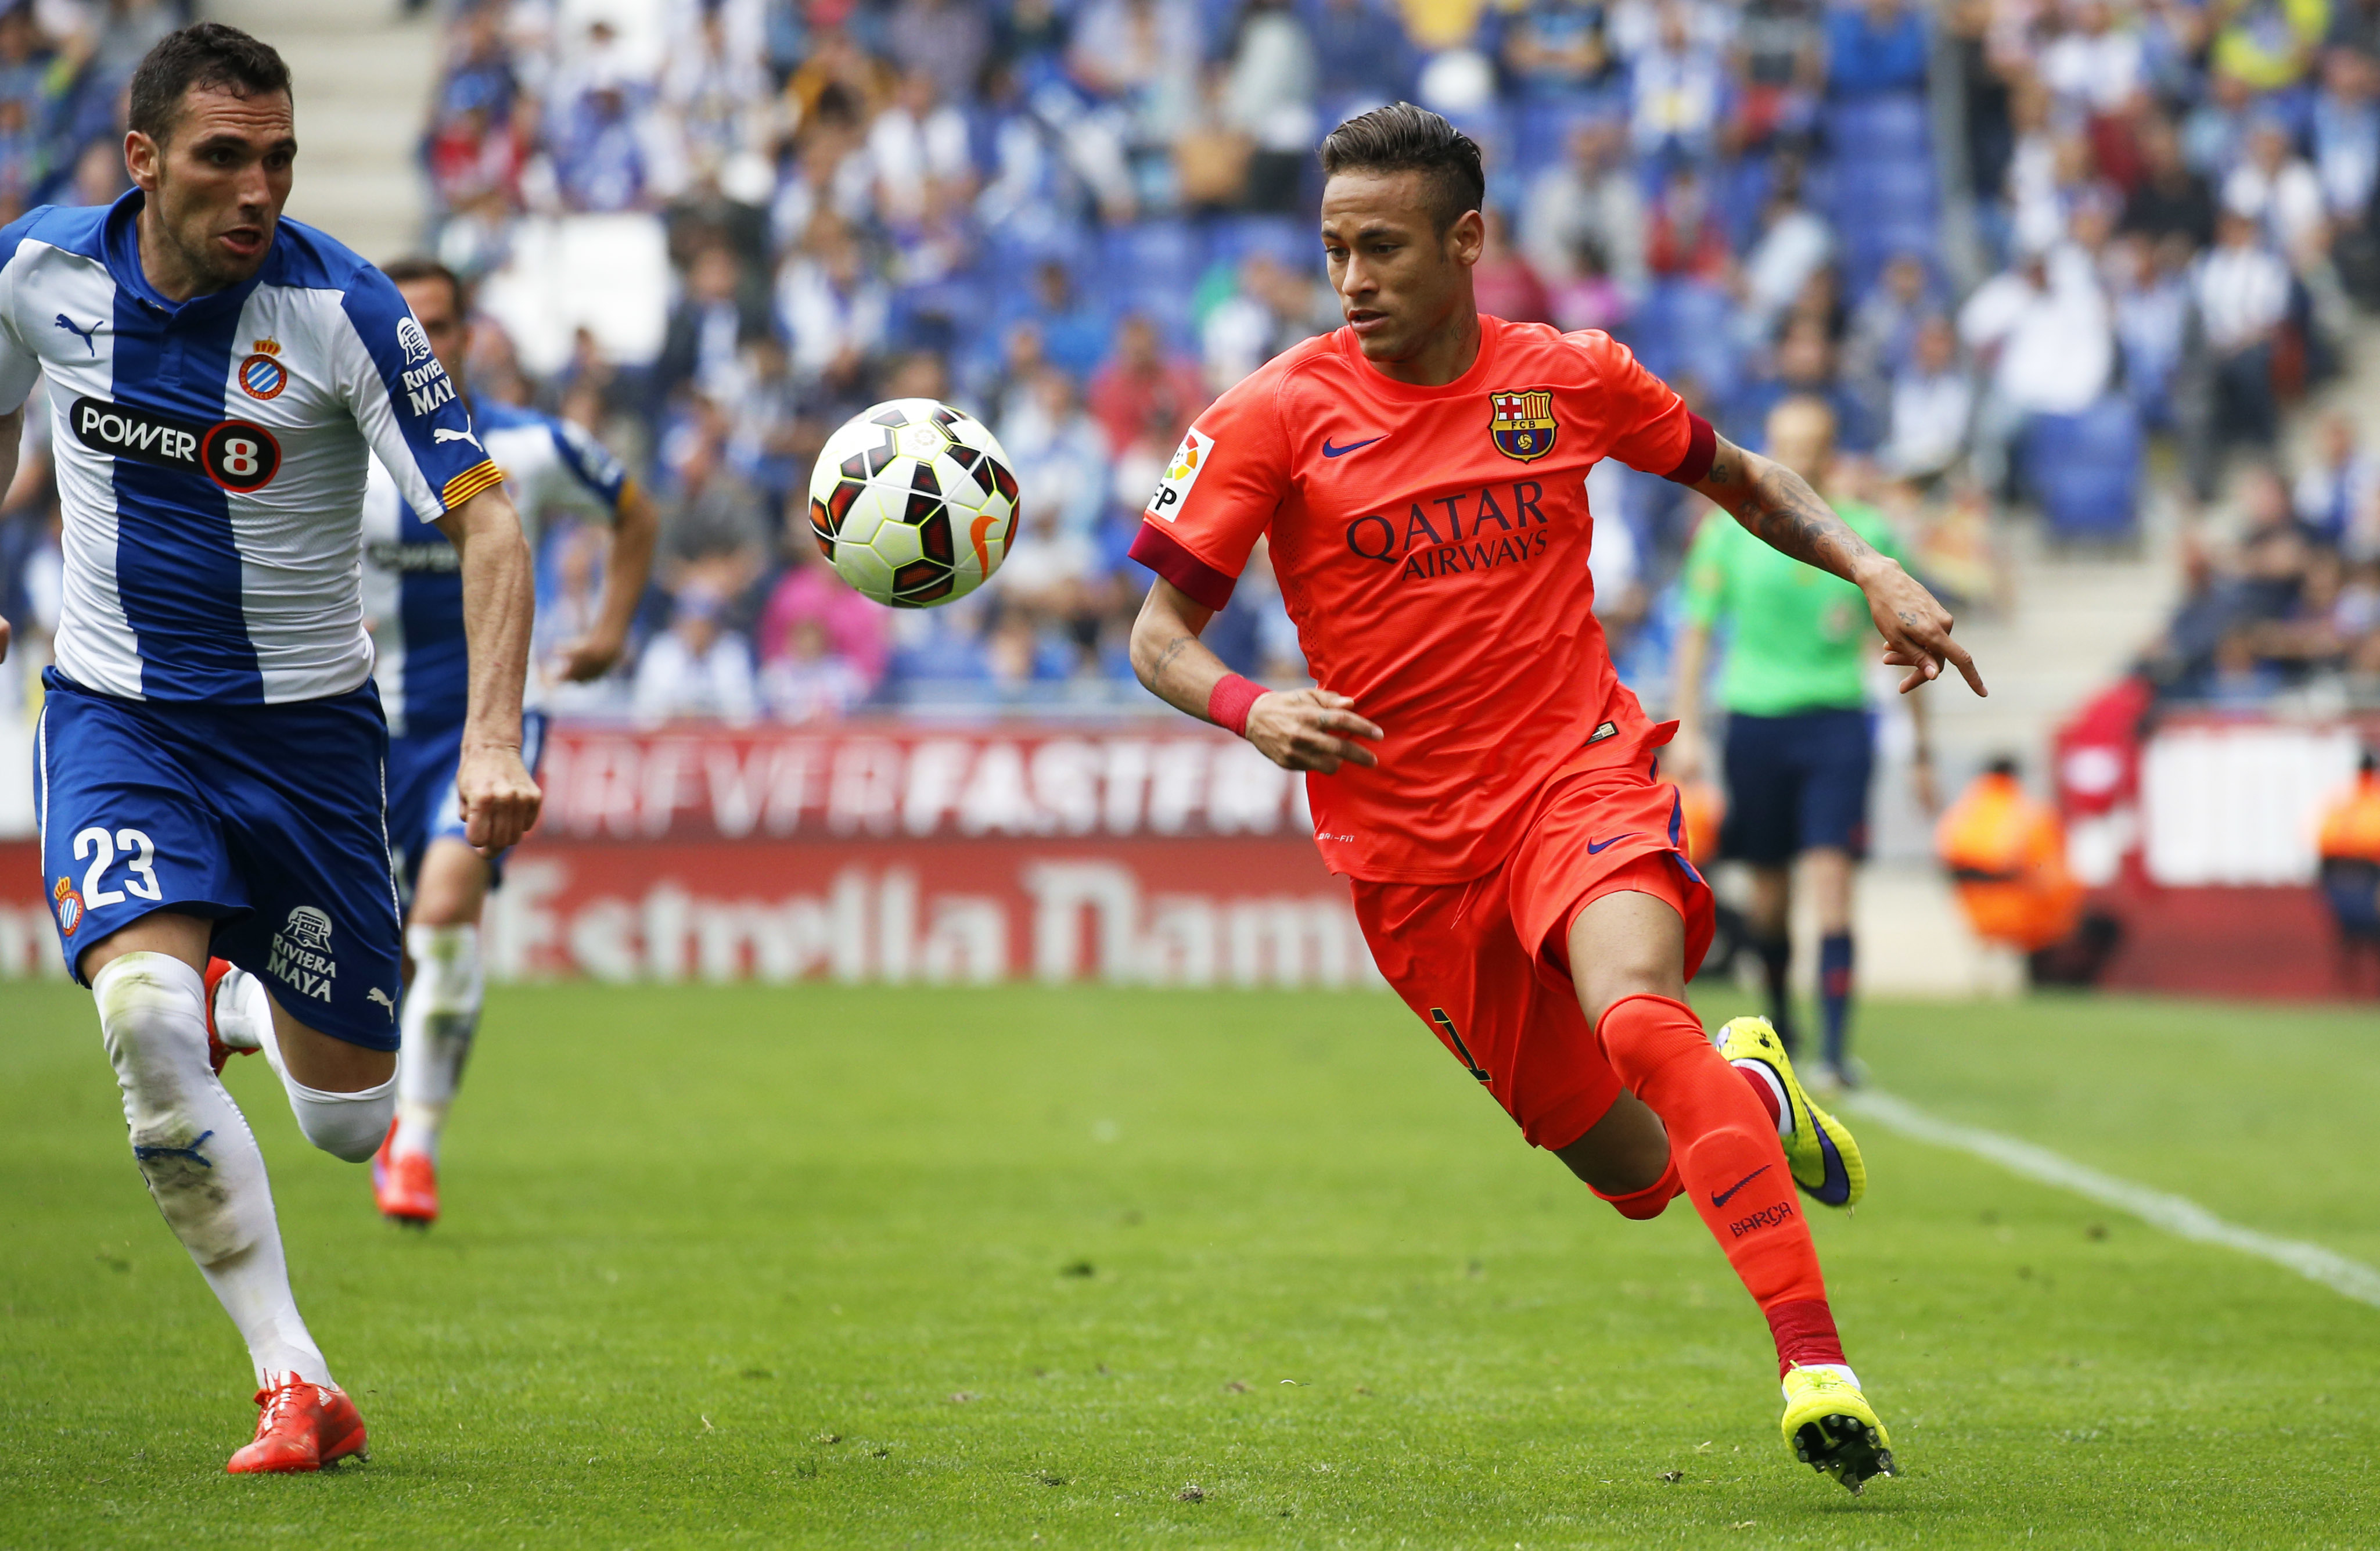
(1721, 1199)
(1329, 451)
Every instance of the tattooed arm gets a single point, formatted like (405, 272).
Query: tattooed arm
(1297, 729)
(1778, 507)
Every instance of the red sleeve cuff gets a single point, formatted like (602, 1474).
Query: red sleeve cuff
(1163, 553)
(1702, 446)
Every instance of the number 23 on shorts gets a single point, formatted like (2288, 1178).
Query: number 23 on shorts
(140, 876)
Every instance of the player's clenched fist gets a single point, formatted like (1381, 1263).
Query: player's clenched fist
(1310, 729)
(500, 801)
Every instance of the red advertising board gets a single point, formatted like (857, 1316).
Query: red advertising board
(904, 783)
(1178, 858)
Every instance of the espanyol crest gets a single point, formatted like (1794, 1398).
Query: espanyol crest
(1522, 424)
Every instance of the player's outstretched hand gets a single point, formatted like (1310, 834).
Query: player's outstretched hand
(499, 799)
(589, 658)
(1310, 729)
(1916, 629)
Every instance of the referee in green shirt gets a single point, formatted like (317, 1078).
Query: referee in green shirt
(1800, 745)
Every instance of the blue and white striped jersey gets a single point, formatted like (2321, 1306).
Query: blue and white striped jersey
(413, 584)
(211, 453)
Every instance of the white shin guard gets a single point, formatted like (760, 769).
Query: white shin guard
(198, 1156)
(348, 1125)
(439, 1020)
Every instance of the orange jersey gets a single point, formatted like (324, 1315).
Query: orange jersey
(1431, 546)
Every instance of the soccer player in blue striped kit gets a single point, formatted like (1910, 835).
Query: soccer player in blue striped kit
(211, 751)
(413, 599)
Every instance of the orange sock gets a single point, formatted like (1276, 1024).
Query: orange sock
(1723, 1148)
(1642, 1206)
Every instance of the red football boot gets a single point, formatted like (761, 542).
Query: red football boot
(218, 1053)
(405, 1185)
(304, 1426)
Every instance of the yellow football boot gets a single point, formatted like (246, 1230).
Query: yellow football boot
(1825, 1160)
(1831, 1428)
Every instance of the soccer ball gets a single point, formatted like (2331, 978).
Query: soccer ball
(913, 504)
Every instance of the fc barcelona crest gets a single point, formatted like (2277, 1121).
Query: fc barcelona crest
(1522, 424)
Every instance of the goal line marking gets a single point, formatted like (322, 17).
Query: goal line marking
(2178, 1215)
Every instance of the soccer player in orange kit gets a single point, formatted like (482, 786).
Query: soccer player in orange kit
(1474, 767)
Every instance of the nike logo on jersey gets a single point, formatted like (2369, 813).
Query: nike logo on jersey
(441, 435)
(85, 335)
(1329, 451)
(1595, 846)
(1721, 1198)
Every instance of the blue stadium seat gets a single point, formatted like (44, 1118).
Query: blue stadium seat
(2085, 469)
(1149, 254)
(1884, 188)
(1542, 132)
(1867, 128)
(1682, 330)
(1290, 238)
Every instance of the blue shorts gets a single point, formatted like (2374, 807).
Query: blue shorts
(1796, 783)
(266, 819)
(423, 805)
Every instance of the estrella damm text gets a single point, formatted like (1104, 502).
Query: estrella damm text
(1451, 535)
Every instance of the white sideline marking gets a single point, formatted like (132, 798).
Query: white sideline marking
(2176, 1214)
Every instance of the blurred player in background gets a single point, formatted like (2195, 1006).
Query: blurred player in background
(1800, 742)
(1476, 767)
(413, 604)
(210, 747)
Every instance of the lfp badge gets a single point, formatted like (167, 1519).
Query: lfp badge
(1522, 424)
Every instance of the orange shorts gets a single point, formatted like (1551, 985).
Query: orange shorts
(1485, 963)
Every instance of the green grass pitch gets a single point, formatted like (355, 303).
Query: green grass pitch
(1016, 1267)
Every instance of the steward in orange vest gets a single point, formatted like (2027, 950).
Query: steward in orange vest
(2349, 847)
(2007, 853)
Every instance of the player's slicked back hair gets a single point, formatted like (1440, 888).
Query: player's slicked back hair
(1402, 137)
(415, 266)
(205, 53)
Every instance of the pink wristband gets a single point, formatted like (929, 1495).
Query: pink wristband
(1232, 699)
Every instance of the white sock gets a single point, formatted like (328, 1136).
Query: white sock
(198, 1157)
(242, 1010)
(348, 1125)
(440, 1019)
(1767, 1074)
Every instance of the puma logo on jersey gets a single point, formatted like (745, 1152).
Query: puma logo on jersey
(441, 435)
(88, 335)
(377, 995)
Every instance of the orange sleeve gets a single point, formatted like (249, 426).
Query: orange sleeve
(1218, 493)
(1645, 424)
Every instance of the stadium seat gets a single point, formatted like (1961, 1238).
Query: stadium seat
(2085, 469)
(1892, 125)
(1287, 237)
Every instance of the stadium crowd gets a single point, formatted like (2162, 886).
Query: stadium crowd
(2010, 243)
